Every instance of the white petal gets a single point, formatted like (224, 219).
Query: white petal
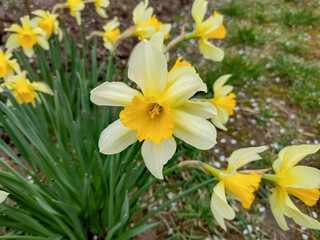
(194, 130)
(199, 8)
(219, 205)
(220, 82)
(221, 118)
(212, 23)
(183, 89)
(148, 68)
(201, 109)
(157, 40)
(28, 51)
(165, 28)
(303, 177)
(3, 196)
(13, 41)
(180, 72)
(277, 203)
(113, 94)
(244, 156)
(116, 138)
(300, 218)
(155, 156)
(43, 42)
(291, 155)
(209, 51)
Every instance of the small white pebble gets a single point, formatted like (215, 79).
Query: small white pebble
(314, 214)
(282, 102)
(217, 164)
(254, 104)
(252, 100)
(237, 108)
(268, 100)
(245, 232)
(271, 119)
(308, 142)
(257, 228)
(241, 51)
(170, 195)
(250, 228)
(231, 119)
(95, 237)
(262, 209)
(304, 236)
(277, 79)
(252, 142)
(303, 228)
(234, 141)
(293, 116)
(253, 121)
(216, 150)
(223, 140)
(257, 109)
(282, 130)
(300, 130)
(222, 158)
(268, 65)
(316, 141)
(170, 232)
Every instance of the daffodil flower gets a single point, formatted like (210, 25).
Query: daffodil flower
(48, 22)
(300, 181)
(100, 5)
(8, 65)
(75, 6)
(24, 90)
(223, 100)
(3, 196)
(26, 36)
(111, 32)
(236, 185)
(146, 24)
(162, 110)
(210, 28)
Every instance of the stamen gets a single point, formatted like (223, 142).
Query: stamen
(155, 110)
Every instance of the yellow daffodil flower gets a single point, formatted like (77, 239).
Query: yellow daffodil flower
(23, 89)
(100, 5)
(8, 66)
(111, 32)
(48, 22)
(3, 196)
(223, 100)
(210, 28)
(300, 181)
(75, 6)
(236, 185)
(162, 110)
(146, 23)
(26, 36)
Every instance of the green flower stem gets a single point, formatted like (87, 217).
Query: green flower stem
(109, 69)
(270, 177)
(190, 36)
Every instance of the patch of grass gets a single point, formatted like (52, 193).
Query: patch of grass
(235, 9)
(300, 17)
(246, 36)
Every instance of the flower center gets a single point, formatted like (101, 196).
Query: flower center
(27, 38)
(243, 186)
(3, 67)
(150, 117)
(308, 196)
(47, 25)
(112, 35)
(228, 103)
(23, 91)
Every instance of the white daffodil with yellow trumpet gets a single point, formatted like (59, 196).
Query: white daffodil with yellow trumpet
(300, 181)
(210, 28)
(159, 112)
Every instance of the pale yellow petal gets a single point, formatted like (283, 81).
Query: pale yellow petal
(277, 203)
(212, 23)
(157, 155)
(3, 196)
(209, 51)
(13, 41)
(198, 108)
(221, 118)
(42, 87)
(113, 94)
(116, 137)
(303, 177)
(43, 42)
(28, 51)
(291, 155)
(148, 69)
(194, 130)
(199, 8)
(183, 89)
(175, 75)
(101, 12)
(157, 40)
